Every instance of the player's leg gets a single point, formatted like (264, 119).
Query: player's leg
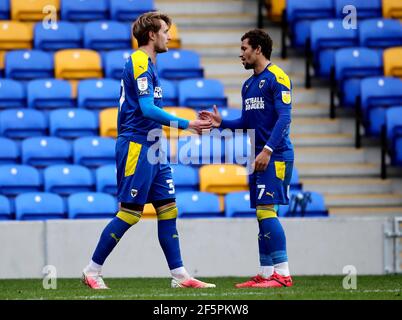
(162, 196)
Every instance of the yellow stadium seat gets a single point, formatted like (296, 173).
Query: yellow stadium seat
(77, 64)
(174, 43)
(223, 178)
(393, 62)
(275, 9)
(108, 122)
(149, 211)
(180, 112)
(15, 35)
(2, 54)
(392, 9)
(32, 10)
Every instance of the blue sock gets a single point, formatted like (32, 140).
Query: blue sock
(109, 239)
(265, 258)
(169, 241)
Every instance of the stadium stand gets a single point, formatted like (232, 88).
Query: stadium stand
(198, 204)
(114, 63)
(17, 178)
(170, 94)
(392, 9)
(5, 208)
(22, 123)
(391, 141)
(179, 64)
(365, 8)
(106, 35)
(98, 93)
(94, 151)
(72, 123)
(380, 33)
(15, 35)
(77, 64)
(4, 10)
(62, 35)
(78, 10)
(12, 94)
(91, 205)
(304, 204)
(124, 10)
(36, 9)
(106, 179)
(392, 62)
(180, 112)
(237, 204)
(9, 151)
(39, 206)
(28, 64)
(185, 178)
(108, 122)
(50, 94)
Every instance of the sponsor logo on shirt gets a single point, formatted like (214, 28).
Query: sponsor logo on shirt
(254, 103)
(158, 92)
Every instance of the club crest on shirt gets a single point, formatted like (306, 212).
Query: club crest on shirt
(142, 83)
(158, 92)
(261, 84)
(286, 97)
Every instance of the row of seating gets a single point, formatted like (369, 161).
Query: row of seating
(84, 63)
(98, 205)
(75, 10)
(101, 93)
(97, 35)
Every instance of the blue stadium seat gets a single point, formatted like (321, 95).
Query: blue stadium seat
(50, 94)
(94, 151)
(229, 113)
(236, 147)
(378, 94)
(304, 204)
(201, 93)
(125, 10)
(185, 178)
(45, 151)
(61, 35)
(9, 151)
(12, 94)
(380, 33)
(114, 63)
(393, 118)
(98, 93)
(198, 205)
(237, 204)
(67, 179)
(169, 93)
(301, 13)
(73, 123)
(5, 208)
(39, 206)
(22, 123)
(17, 178)
(84, 10)
(295, 183)
(28, 64)
(365, 9)
(91, 205)
(326, 36)
(5, 10)
(351, 65)
(179, 64)
(106, 179)
(107, 35)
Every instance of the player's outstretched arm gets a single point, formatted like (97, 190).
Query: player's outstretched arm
(214, 117)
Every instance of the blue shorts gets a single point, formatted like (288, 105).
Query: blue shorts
(138, 180)
(272, 185)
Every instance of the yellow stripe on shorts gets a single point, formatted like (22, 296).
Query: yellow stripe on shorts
(280, 168)
(134, 151)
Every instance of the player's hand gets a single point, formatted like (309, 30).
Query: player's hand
(262, 160)
(215, 117)
(199, 125)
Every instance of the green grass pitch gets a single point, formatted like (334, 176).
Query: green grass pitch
(387, 287)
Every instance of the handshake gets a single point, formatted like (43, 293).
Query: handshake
(206, 120)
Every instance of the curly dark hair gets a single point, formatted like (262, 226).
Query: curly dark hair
(258, 37)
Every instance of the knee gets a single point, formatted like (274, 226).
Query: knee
(266, 212)
(167, 211)
(130, 213)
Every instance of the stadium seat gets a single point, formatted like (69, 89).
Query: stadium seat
(237, 204)
(39, 206)
(91, 205)
(275, 9)
(98, 93)
(201, 93)
(17, 178)
(50, 94)
(61, 35)
(295, 183)
(77, 64)
(115, 62)
(392, 62)
(170, 96)
(180, 112)
(106, 35)
(84, 10)
(125, 10)
(380, 33)
(223, 178)
(304, 204)
(326, 36)
(5, 10)
(106, 179)
(2, 57)
(108, 122)
(5, 208)
(94, 151)
(12, 94)
(393, 119)
(365, 9)
(175, 40)
(22, 123)
(378, 94)
(32, 11)
(178, 64)
(9, 151)
(28, 64)
(72, 123)
(15, 35)
(149, 212)
(236, 147)
(185, 178)
(45, 151)
(300, 14)
(198, 205)
(392, 9)
(352, 65)
(67, 179)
